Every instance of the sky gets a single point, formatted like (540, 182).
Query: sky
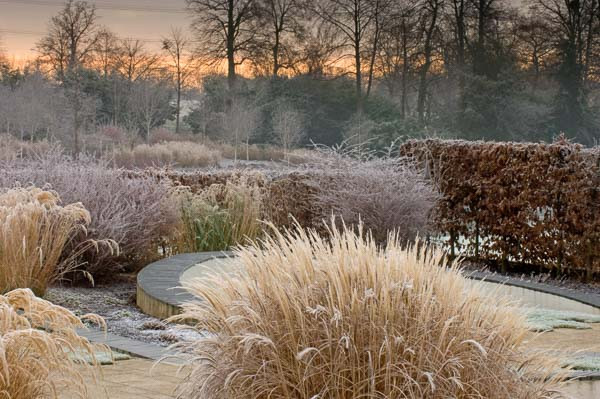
(23, 22)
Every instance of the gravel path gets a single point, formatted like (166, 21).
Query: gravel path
(116, 304)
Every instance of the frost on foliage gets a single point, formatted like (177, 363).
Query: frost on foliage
(583, 363)
(548, 319)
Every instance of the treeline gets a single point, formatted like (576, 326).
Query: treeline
(294, 71)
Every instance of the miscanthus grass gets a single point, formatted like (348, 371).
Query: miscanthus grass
(35, 231)
(37, 343)
(341, 318)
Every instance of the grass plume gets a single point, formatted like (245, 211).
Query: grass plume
(37, 339)
(184, 154)
(35, 230)
(340, 318)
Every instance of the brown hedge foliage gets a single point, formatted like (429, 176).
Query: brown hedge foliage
(529, 203)
(291, 197)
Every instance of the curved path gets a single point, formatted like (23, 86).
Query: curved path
(159, 291)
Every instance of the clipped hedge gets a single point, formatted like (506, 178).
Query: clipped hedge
(536, 204)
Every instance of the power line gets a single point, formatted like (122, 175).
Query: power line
(100, 6)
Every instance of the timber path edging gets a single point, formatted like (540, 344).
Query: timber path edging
(159, 291)
(577, 296)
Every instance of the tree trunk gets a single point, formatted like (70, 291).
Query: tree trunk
(374, 50)
(404, 69)
(178, 110)
(536, 68)
(230, 46)
(276, 54)
(428, 49)
(76, 126)
(247, 149)
(479, 61)
(357, 63)
(459, 14)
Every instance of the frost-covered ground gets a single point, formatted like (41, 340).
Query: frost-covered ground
(549, 319)
(116, 304)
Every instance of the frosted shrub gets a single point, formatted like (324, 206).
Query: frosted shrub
(133, 210)
(384, 194)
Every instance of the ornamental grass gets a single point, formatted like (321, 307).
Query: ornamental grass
(341, 317)
(35, 230)
(37, 343)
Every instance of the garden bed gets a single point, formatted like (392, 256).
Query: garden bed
(116, 304)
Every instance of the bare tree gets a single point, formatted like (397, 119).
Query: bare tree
(576, 28)
(34, 102)
(459, 12)
(486, 12)
(381, 18)
(399, 52)
(148, 104)
(320, 48)
(353, 19)
(282, 17)
(225, 31)
(430, 12)
(69, 44)
(240, 121)
(534, 46)
(134, 61)
(182, 64)
(106, 52)
(288, 126)
(71, 38)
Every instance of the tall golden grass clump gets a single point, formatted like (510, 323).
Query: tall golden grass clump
(341, 318)
(34, 231)
(37, 344)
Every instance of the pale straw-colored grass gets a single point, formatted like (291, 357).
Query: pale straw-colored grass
(34, 232)
(37, 343)
(183, 154)
(341, 318)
